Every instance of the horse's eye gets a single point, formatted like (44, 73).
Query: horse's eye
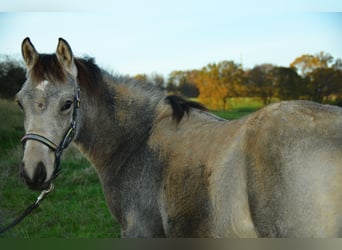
(66, 105)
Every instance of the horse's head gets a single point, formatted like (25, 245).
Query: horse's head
(49, 99)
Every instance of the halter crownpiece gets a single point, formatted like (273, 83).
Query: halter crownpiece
(67, 138)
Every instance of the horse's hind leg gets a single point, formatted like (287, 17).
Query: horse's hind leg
(313, 205)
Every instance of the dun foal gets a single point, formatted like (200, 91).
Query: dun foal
(168, 168)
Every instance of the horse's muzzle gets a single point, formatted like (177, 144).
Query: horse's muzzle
(37, 181)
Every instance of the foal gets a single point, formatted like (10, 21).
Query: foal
(168, 168)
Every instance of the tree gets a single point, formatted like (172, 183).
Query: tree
(12, 76)
(324, 83)
(188, 89)
(180, 82)
(338, 64)
(261, 82)
(155, 79)
(321, 75)
(217, 82)
(158, 80)
(307, 63)
(141, 77)
(171, 87)
(231, 79)
(290, 85)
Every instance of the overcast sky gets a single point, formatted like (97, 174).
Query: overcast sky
(132, 37)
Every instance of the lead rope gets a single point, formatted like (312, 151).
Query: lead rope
(29, 209)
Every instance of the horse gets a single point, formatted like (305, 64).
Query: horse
(170, 168)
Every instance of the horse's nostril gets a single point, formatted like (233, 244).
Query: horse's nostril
(40, 173)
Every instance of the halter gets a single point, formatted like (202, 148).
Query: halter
(67, 138)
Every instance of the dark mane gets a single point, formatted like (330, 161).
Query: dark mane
(89, 76)
(48, 68)
(180, 106)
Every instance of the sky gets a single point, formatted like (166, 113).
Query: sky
(155, 36)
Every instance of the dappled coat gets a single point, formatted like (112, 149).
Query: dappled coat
(169, 168)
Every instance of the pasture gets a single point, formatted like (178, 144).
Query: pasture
(76, 208)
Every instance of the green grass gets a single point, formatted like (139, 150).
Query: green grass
(239, 107)
(244, 104)
(231, 115)
(76, 208)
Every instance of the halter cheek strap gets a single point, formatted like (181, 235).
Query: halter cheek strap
(66, 140)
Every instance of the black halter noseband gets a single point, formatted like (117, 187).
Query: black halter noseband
(67, 138)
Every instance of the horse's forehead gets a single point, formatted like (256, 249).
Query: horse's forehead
(45, 89)
(42, 85)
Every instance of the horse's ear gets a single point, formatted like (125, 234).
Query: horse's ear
(29, 53)
(65, 56)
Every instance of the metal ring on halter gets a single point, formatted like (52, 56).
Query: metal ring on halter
(45, 192)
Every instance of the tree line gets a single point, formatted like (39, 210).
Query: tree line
(309, 77)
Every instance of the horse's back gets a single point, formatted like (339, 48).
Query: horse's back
(294, 170)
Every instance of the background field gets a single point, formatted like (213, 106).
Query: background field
(76, 208)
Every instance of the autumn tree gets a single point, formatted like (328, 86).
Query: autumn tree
(231, 75)
(205, 82)
(321, 75)
(217, 82)
(306, 63)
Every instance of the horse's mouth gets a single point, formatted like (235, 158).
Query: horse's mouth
(36, 186)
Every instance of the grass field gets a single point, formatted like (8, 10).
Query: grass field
(76, 208)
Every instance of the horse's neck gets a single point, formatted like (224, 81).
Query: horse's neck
(112, 129)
